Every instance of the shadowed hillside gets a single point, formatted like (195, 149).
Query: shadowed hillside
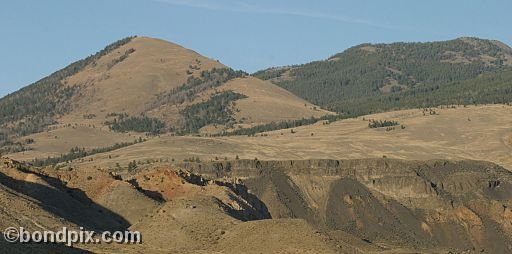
(461, 206)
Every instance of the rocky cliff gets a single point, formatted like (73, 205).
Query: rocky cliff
(456, 205)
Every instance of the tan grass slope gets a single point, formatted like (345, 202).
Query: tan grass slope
(474, 133)
(155, 66)
(133, 85)
(158, 66)
(267, 102)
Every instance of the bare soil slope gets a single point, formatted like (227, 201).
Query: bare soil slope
(390, 204)
(176, 211)
(310, 206)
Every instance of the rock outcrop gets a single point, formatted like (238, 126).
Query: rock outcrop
(459, 205)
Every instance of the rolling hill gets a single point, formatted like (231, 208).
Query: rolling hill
(460, 133)
(142, 85)
(380, 77)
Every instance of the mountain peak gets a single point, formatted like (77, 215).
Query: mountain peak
(152, 83)
(152, 42)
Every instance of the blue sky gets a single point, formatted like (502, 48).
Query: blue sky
(39, 37)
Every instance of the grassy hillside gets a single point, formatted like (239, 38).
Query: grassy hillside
(155, 84)
(378, 77)
(36, 106)
(42, 100)
(472, 132)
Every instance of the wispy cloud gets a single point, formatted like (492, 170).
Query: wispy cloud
(241, 7)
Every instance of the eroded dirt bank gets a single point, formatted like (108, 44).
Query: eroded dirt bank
(311, 206)
(463, 206)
